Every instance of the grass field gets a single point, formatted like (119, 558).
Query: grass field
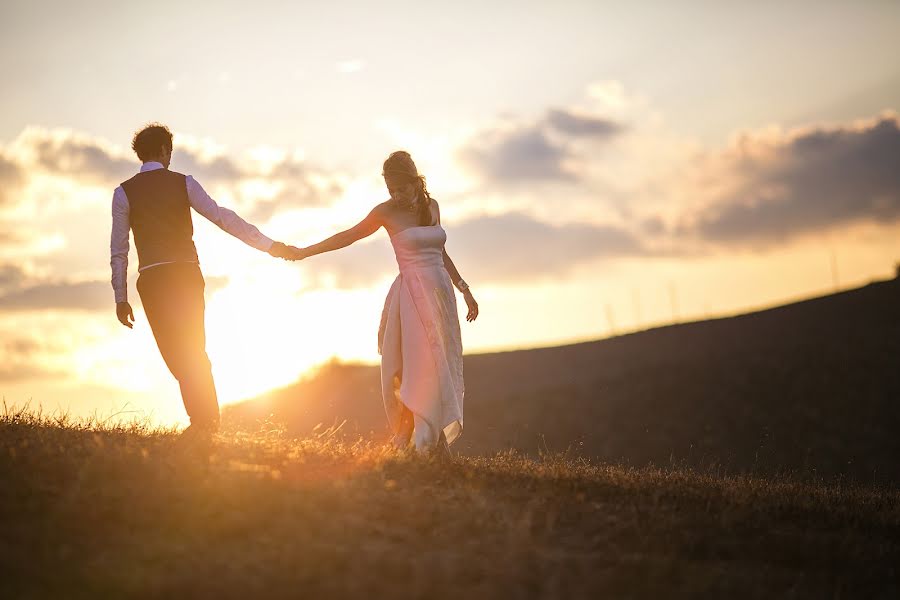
(117, 512)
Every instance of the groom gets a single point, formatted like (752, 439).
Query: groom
(155, 204)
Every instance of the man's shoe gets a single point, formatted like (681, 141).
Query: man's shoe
(202, 429)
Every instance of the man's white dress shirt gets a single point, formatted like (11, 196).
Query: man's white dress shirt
(225, 219)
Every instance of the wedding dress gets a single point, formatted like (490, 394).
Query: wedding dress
(419, 340)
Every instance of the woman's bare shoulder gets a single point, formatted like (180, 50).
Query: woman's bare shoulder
(436, 211)
(383, 208)
(382, 211)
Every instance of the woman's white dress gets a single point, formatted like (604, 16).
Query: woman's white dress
(419, 340)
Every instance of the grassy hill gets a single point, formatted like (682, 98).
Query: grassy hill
(128, 512)
(774, 436)
(811, 388)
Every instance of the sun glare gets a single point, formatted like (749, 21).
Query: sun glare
(265, 331)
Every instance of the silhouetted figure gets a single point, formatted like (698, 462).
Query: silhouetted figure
(419, 338)
(156, 205)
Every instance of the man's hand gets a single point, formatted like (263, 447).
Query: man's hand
(279, 250)
(123, 313)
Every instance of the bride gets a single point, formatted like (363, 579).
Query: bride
(419, 338)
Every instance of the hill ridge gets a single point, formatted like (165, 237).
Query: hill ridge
(808, 387)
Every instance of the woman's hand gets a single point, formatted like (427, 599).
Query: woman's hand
(295, 253)
(473, 306)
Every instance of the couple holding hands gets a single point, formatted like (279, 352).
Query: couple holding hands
(419, 337)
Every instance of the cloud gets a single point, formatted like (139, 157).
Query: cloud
(82, 157)
(21, 360)
(511, 247)
(575, 124)
(776, 186)
(11, 277)
(517, 247)
(60, 295)
(217, 169)
(302, 186)
(8, 237)
(521, 155)
(64, 152)
(359, 265)
(542, 150)
(12, 373)
(20, 291)
(88, 160)
(652, 225)
(10, 172)
(21, 347)
(11, 177)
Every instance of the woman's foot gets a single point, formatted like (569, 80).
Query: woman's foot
(404, 433)
(442, 450)
(400, 441)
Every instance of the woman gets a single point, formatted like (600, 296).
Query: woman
(419, 338)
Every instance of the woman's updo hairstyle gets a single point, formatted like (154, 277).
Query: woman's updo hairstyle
(400, 164)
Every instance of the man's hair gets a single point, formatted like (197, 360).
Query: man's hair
(149, 142)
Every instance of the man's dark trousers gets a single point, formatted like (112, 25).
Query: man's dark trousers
(172, 296)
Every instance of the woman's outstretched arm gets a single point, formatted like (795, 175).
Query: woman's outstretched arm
(363, 229)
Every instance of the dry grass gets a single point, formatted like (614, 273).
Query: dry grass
(90, 510)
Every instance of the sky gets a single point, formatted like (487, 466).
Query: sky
(602, 167)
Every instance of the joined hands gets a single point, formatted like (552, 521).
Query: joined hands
(286, 252)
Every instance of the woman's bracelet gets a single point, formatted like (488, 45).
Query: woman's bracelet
(462, 286)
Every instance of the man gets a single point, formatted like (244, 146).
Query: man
(155, 204)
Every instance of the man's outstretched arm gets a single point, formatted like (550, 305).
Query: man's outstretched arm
(227, 220)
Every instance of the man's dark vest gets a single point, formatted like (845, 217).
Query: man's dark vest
(160, 217)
